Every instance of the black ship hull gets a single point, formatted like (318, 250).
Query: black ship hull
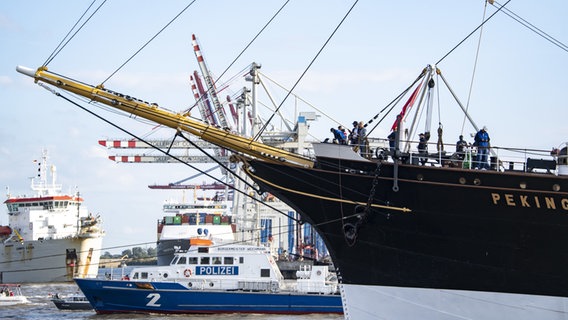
(444, 228)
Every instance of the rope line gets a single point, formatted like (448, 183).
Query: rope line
(474, 69)
(311, 195)
(305, 71)
(170, 155)
(148, 42)
(60, 46)
(471, 33)
(533, 28)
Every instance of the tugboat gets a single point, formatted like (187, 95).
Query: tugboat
(51, 237)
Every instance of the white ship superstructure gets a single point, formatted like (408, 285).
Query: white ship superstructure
(51, 236)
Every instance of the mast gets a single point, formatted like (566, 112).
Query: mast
(179, 121)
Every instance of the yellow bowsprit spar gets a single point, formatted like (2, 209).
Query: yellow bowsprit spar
(218, 136)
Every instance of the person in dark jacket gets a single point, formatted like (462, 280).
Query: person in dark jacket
(423, 148)
(460, 148)
(482, 143)
(354, 135)
(338, 136)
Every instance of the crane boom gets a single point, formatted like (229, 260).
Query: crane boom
(211, 89)
(178, 121)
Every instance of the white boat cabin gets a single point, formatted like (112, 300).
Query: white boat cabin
(206, 266)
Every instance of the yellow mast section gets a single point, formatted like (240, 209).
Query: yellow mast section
(182, 122)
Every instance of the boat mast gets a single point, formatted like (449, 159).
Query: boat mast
(42, 187)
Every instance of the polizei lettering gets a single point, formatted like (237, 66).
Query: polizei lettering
(533, 201)
(217, 270)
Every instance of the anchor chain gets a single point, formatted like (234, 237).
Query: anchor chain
(351, 230)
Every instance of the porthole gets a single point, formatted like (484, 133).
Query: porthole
(462, 180)
(556, 187)
(476, 181)
(190, 284)
(420, 177)
(165, 275)
(211, 284)
(523, 185)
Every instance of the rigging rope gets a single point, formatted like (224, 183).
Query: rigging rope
(474, 69)
(306, 70)
(221, 164)
(532, 27)
(238, 56)
(60, 46)
(148, 42)
(393, 103)
(253, 39)
(469, 35)
(166, 153)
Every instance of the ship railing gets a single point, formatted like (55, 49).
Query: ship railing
(499, 158)
(229, 284)
(313, 287)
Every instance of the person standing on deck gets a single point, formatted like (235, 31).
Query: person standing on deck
(423, 149)
(483, 145)
(392, 141)
(353, 137)
(362, 139)
(460, 147)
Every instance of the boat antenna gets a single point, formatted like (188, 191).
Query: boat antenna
(259, 133)
(471, 33)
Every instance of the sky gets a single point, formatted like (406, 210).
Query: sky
(379, 49)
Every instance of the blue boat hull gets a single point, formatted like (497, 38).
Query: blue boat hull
(110, 296)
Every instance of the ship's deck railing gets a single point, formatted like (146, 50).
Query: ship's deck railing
(498, 159)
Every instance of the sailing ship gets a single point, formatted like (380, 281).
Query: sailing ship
(402, 238)
(409, 239)
(216, 278)
(51, 236)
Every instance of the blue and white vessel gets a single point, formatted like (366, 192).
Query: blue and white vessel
(210, 278)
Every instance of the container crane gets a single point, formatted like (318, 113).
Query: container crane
(211, 89)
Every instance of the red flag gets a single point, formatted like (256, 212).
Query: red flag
(408, 104)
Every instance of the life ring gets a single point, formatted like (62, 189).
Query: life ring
(187, 273)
